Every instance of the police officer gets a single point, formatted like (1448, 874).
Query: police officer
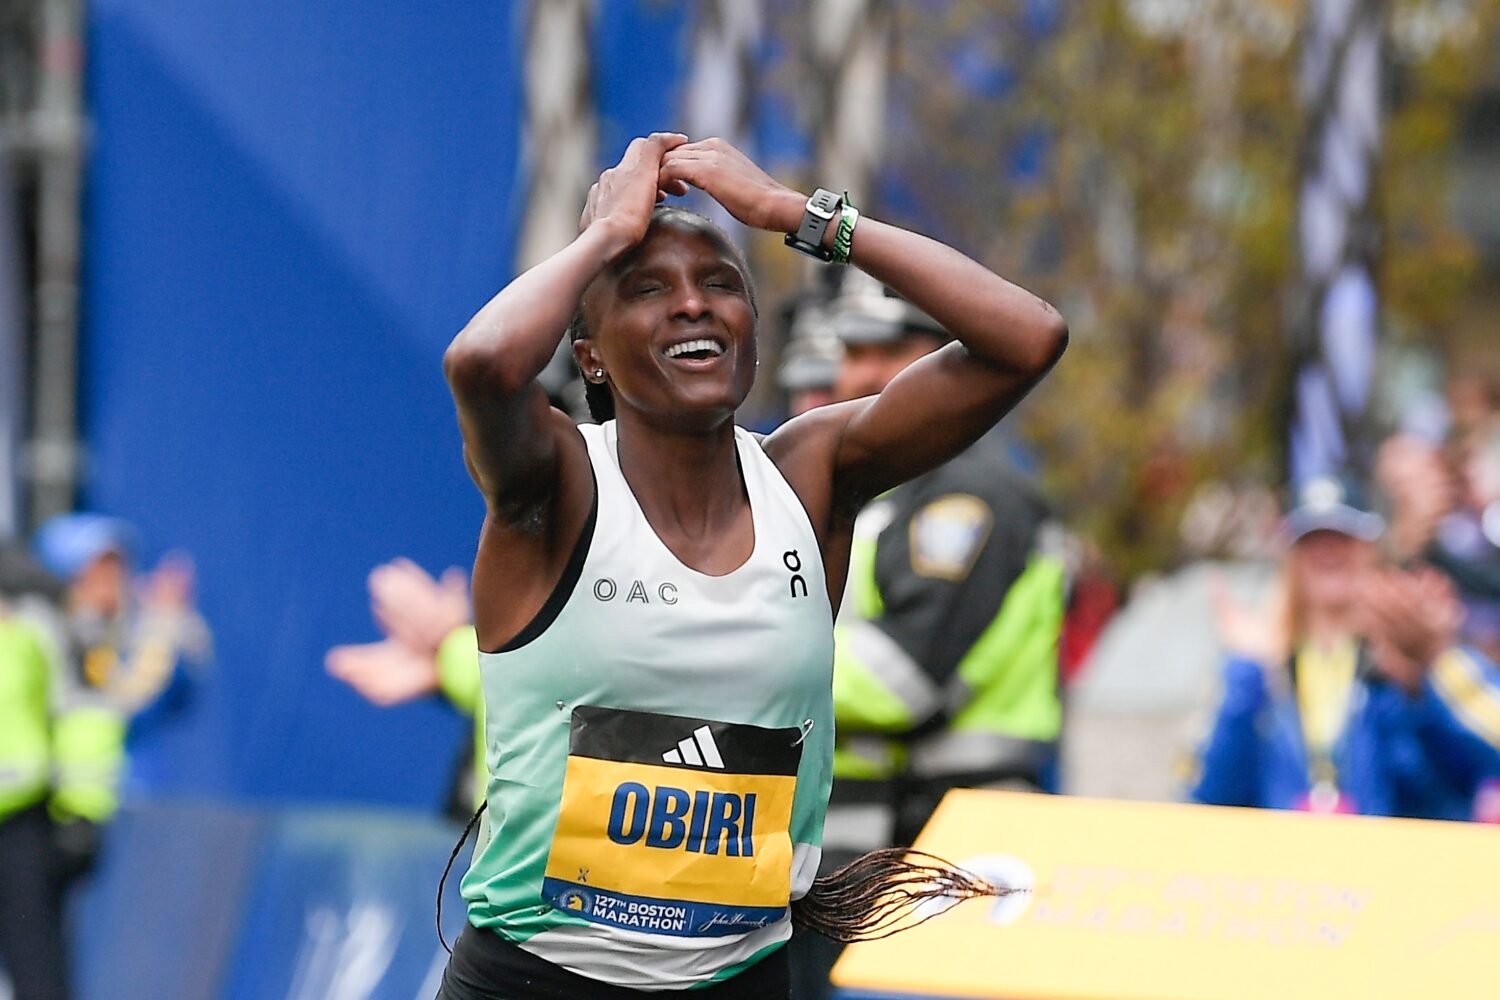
(60, 749)
(945, 648)
(945, 670)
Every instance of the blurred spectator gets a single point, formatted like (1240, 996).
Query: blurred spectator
(429, 647)
(1093, 599)
(139, 644)
(60, 747)
(1140, 698)
(1473, 403)
(1351, 694)
(1445, 510)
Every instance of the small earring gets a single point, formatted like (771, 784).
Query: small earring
(599, 373)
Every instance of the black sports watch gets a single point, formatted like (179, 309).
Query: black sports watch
(822, 208)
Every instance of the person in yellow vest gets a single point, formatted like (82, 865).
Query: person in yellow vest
(60, 752)
(138, 643)
(429, 648)
(945, 667)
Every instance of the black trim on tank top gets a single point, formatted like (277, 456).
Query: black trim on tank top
(564, 589)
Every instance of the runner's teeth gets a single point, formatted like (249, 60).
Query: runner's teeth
(688, 346)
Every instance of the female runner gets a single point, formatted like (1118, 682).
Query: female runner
(654, 594)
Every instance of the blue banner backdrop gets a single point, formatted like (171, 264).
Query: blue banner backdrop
(292, 207)
(291, 210)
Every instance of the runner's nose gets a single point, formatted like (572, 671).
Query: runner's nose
(690, 304)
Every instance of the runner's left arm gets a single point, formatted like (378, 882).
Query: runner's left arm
(1006, 338)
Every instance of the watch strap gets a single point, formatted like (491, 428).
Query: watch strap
(822, 209)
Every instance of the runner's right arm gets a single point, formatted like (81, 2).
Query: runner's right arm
(526, 457)
(493, 364)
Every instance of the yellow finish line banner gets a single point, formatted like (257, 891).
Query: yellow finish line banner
(1177, 902)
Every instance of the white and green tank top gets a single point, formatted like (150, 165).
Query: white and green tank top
(659, 744)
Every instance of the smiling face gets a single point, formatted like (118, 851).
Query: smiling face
(100, 586)
(1328, 569)
(672, 323)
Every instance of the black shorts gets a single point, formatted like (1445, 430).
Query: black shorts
(485, 966)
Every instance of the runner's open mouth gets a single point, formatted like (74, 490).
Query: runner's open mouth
(697, 349)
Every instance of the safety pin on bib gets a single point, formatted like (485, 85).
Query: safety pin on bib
(806, 727)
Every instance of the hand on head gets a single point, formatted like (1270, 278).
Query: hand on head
(666, 163)
(730, 178)
(1408, 618)
(624, 195)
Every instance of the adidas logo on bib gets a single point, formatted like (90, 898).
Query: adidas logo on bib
(698, 750)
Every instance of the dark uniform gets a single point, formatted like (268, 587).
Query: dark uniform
(945, 670)
(945, 649)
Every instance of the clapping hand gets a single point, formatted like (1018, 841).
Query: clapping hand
(416, 613)
(415, 610)
(169, 587)
(1421, 489)
(1251, 632)
(1408, 619)
(385, 673)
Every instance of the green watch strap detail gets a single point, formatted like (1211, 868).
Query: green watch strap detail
(843, 237)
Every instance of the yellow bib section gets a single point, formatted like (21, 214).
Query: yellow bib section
(669, 833)
(699, 844)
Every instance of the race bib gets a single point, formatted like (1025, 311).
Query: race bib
(673, 825)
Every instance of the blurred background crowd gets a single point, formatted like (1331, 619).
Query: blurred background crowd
(1242, 547)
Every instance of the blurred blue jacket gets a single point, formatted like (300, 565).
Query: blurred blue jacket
(1422, 756)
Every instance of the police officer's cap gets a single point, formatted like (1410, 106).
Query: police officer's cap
(811, 357)
(809, 363)
(865, 318)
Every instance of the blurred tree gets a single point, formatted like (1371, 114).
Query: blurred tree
(1136, 162)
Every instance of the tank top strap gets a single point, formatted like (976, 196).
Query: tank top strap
(776, 504)
(615, 499)
(754, 465)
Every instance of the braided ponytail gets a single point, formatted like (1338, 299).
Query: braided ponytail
(886, 892)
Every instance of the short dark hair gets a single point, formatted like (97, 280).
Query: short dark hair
(601, 401)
